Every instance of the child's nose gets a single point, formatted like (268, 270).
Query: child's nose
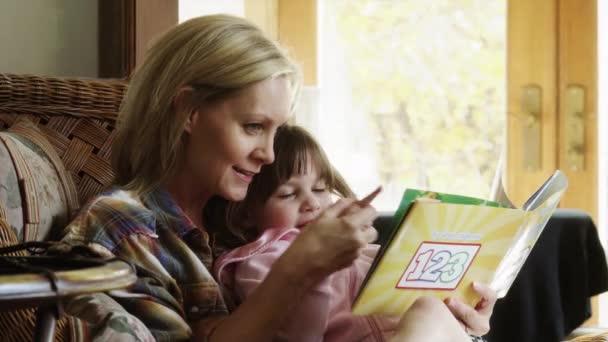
(311, 203)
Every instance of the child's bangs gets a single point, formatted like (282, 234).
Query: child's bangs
(318, 159)
(298, 155)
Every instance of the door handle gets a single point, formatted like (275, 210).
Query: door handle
(575, 127)
(531, 100)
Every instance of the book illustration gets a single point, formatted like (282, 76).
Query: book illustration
(441, 243)
(438, 265)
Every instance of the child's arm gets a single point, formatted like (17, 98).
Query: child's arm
(305, 322)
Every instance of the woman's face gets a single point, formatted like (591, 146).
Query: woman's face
(230, 140)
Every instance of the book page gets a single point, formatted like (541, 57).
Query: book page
(526, 237)
(439, 250)
(412, 195)
(557, 183)
(441, 243)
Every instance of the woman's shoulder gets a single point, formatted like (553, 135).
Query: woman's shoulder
(110, 217)
(116, 203)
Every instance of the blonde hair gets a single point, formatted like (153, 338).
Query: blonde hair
(295, 151)
(212, 56)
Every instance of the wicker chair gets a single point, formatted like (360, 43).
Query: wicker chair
(77, 117)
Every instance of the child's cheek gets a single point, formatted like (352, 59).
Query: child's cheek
(281, 217)
(325, 202)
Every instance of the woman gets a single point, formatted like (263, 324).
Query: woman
(198, 123)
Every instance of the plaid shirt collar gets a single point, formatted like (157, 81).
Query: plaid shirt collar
(183, 224)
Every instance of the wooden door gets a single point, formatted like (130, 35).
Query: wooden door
(552, 45)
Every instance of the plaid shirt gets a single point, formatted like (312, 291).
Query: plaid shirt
(174, 286)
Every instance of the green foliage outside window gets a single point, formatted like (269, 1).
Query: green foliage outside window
(430, 74)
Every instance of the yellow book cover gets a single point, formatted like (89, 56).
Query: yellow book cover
(441, 243)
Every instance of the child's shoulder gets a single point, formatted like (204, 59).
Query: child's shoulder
(270, 241)
(271, 244)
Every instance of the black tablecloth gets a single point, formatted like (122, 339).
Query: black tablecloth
(550, 296)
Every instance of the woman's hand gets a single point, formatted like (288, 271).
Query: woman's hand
(333, 241)
(475, 321)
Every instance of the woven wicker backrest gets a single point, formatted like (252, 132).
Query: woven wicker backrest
(76, 115)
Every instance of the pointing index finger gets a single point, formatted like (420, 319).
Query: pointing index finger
(367, 200)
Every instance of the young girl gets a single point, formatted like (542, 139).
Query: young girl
(281, 200)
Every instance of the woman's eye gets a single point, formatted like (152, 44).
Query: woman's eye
(253, 127)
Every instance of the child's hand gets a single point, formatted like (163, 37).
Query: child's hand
(332, 241)
(364, 203)
(475, 321)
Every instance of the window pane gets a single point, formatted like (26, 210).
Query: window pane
(189, 9)
(412, 94)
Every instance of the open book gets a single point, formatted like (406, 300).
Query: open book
(441, 243)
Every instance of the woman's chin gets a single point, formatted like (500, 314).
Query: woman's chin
(235, 195)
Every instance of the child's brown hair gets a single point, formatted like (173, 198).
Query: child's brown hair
(295, 152)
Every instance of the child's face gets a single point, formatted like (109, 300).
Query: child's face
(295, 203)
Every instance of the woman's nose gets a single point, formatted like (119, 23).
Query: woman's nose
(265, 152)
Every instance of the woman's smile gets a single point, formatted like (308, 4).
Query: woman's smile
(245, 175)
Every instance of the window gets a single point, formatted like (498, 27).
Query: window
(189, 9)
(411, 94)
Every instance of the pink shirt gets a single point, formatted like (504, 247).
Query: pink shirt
(325, 314)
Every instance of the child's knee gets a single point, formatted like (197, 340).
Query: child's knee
(432, 318)
(431, 311)
(425, 309)
(430, 305)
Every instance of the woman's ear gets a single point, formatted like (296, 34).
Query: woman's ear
(191, 121)
(182, 102)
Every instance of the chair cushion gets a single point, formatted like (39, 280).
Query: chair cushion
(10, 194)
(48, 194)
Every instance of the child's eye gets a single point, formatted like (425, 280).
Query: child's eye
(319, 189)
(253, 127)
(286, 195)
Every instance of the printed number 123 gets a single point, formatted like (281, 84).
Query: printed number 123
(440, 266)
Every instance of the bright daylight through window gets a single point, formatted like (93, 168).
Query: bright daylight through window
(411, 94)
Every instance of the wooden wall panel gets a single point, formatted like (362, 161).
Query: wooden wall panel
(126, 28)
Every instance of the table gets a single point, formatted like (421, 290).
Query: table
(43, 281)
